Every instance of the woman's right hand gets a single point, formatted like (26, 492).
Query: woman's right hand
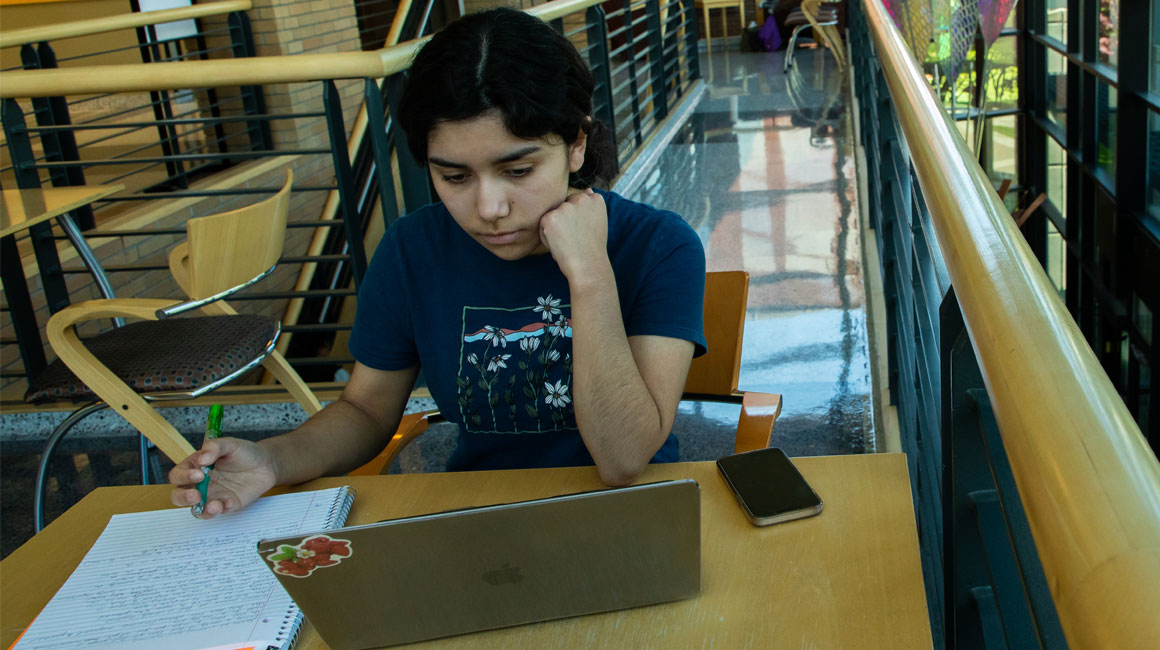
(242, 472)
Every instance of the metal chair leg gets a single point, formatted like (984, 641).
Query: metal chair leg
(150, 463)
(49, 447)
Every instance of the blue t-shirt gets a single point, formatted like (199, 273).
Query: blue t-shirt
(494, 337)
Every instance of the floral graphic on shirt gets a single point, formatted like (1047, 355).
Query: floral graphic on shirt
(515, 373)
(313, 553)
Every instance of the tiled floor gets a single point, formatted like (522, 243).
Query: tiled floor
(764, 171)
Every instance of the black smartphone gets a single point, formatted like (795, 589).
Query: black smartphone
(768, 486)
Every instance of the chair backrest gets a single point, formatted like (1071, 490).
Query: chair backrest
(225, 250)
(716, 372)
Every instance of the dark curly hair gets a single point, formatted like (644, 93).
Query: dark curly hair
(512, 62)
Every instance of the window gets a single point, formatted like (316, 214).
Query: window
(1057, 176)
(1153, 180)
(1057, 88)
(1004, 164)
(1155, 80)
(1056, 259)
(1002, 75)
(1108, 29)
(1106, 130)
(1057, 20)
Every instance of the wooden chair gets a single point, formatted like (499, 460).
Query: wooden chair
(159, 357)
(712, 376)
(823, 22)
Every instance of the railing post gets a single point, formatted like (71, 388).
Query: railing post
(692, 53)
(344, 179)
(162, 109)
(380, 150)
(59, 145)
(412, 176)
(634, 92)
(601, 67)
(253, 99)
(657, 58)
(43, 246)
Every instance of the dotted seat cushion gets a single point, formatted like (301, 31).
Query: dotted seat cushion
(176, 354)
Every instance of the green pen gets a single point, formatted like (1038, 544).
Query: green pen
(213, 429)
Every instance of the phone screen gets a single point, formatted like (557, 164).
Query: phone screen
(769, 487)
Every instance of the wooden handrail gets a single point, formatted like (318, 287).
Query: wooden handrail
(1086, 476)
(177, 75)
(105, 24)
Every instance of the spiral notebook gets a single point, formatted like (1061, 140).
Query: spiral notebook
(164, 579)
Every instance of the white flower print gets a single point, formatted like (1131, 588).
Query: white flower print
(495, 335)
(553, 355)
(557, 394)
(472, 359)
(559, 326)
(529, 343)
(548, 307)
(498, 362)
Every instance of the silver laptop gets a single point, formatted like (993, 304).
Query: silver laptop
(430, 576)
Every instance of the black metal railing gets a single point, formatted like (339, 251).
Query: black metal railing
(242, 139)
(971, 319)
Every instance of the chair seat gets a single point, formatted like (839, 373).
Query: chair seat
(171, 355)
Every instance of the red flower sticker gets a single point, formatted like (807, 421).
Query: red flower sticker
(314, 552)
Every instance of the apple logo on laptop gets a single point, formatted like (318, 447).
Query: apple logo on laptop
(506, 574)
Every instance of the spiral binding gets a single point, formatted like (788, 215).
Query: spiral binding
(288, 632)
(287, 635)
(340, 508)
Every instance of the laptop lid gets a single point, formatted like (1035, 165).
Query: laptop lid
(405, 580)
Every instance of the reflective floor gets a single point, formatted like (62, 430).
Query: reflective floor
(764, 170)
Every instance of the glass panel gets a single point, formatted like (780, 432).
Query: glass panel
(1106, 130)
(1056, 259)
(1057, 20)
(963, 94)
(1002, 75)
(1142, 318)
(1154, 165)
(1109, 29)
(1003, 161)
(1057, 176)
(1155, 46)
(1145, 400)
(1057, 88)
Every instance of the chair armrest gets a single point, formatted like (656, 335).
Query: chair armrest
(62, 336)
(143, 309)
(410, 427)
(755, 426)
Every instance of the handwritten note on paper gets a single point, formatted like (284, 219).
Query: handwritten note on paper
(164, 579)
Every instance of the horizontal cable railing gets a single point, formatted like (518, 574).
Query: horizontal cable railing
(1064, 459)
(217, 160)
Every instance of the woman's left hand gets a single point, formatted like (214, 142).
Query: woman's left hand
(576, 233)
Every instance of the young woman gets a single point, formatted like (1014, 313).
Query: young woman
(554, 322)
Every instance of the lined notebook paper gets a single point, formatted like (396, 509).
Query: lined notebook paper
(164, 579)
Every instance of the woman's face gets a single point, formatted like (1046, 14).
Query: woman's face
(497, 186)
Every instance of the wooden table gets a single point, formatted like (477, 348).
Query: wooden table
(21, 210)
(723, 5)
(848, 578)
